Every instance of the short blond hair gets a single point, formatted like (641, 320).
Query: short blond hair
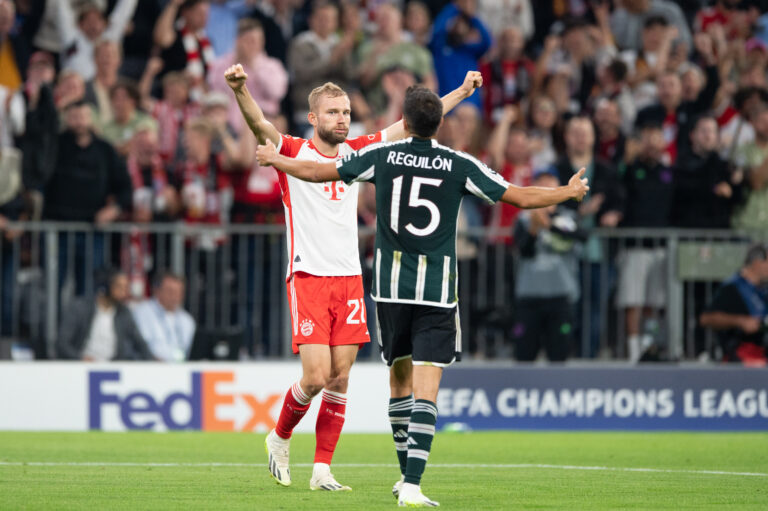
(328, 89)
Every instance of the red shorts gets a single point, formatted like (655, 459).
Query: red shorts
(327, 310)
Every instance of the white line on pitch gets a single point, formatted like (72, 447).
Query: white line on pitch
(379, 465)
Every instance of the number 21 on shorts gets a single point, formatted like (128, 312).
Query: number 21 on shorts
(357, 315)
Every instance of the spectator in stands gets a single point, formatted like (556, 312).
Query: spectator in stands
(154, 195)
(509, 152)
(90, 182)
(604, 207)
(508, 77)
(267, 77)
(394, 83)
(500, 15)
(14, 46)
(753, 158)
(739, 311)
(172, 112)
(11, 207)
(206, 191)
(542, 120)
(612, 81)
(647, 63)
(124, 97)
(649, 186)
(162, 321)
(704, 195)
(154, 200)
(673, 112)
(418, 23)
(102, 329)
(610, 139)
(106, 55)
(79, 37)
(38, 143)
(316, 56)
(185, 44)
(389, 49)
(736, 130)
(628, 18)
(547, 284)
(465, 126)
(459, 39)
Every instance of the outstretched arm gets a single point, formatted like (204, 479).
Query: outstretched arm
(302, 169)
(531, 197)
(473, 80)
(252, 113)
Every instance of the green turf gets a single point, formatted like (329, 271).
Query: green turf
(492, 488)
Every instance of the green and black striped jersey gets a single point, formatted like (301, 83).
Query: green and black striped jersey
(419, 187)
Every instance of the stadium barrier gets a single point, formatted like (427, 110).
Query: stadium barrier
(246, 397)
(236, 286)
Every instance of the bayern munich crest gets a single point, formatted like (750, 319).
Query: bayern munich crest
(307, 327)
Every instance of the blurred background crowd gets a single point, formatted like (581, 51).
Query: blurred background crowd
(117, 111)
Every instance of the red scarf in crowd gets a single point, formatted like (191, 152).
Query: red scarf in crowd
(199, 56)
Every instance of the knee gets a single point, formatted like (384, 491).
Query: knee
(314, 382)
(338, 383)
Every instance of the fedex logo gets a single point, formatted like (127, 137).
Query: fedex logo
(143, 410)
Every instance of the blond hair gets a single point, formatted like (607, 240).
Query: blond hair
(328, 89)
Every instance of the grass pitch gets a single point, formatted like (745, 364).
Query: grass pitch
(466, 471)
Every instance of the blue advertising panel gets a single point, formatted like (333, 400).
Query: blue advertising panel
(629, 398)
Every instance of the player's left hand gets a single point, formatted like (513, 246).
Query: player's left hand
(579, 185)
(266, 154)
(473, 80)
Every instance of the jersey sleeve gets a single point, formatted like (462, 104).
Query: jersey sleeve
(482, 181)
(359, 166)
(358, 143)
(289, 146)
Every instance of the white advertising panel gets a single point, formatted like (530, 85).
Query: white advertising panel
(62, 396)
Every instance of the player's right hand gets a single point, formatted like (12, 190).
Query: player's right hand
(579, 185)
(266, 154)
(235, 77)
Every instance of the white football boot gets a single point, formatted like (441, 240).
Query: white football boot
(278, 450)
(411, 496)
(322, 479)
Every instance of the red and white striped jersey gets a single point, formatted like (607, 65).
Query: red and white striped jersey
(321, 218)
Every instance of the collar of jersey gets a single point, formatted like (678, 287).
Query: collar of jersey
(312, 146)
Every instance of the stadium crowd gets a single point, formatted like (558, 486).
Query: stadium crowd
(117, 111)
